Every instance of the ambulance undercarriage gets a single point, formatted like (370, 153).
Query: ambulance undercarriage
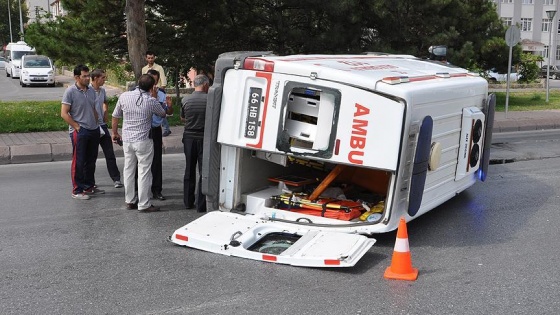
(309, 155)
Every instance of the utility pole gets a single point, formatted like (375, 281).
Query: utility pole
(10, 22)
(20, 20)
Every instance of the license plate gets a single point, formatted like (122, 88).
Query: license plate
(253, 110)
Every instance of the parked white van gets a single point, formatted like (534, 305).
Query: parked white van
(306, 156)
(36, 70)
(13, 53)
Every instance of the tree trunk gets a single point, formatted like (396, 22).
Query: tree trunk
(136, 34)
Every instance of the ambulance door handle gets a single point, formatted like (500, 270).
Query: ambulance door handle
(233, 240)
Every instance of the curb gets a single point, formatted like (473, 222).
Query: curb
(61, 150)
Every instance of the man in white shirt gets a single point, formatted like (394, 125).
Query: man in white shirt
(137, 108)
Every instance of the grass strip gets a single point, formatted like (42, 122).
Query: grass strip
(39, 116)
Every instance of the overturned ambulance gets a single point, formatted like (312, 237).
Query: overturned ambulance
(308, 155)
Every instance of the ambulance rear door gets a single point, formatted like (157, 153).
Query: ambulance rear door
(312, 118)
(247, 236)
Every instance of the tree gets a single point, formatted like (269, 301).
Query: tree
(528, 69)
(92, 32)
(14, 17)
(464, 26)
(136, 34)
(187, 34)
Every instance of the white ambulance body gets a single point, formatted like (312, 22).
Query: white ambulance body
(410, 132)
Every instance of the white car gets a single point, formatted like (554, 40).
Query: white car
(494, 76)
(36, 70)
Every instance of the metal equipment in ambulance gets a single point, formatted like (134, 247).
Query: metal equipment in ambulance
(306, 156)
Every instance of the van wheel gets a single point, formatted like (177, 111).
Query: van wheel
(554, 77)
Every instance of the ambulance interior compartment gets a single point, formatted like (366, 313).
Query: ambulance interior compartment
(306, 137)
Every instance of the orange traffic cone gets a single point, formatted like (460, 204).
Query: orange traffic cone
(401, 264)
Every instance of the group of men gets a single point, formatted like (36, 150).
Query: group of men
(143, 112)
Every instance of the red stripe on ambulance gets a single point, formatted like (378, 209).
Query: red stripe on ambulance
(182, 237)
(359, 134)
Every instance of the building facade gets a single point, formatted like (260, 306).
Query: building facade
(36, 7)
(538, 32)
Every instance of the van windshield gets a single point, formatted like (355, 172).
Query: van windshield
(18, 54)
(37, 63)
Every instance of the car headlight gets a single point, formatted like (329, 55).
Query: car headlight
(24, 72)
(50, 72)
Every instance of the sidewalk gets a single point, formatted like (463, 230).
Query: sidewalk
(16, 148)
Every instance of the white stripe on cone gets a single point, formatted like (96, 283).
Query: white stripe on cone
(401, 245)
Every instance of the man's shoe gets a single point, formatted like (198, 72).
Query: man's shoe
(81, 196)
(159, 196)
(94, 191)
(131, 206)
(118, 184)
(166, 133)
(150, 209)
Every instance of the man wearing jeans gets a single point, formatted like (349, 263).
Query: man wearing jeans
(78, 110)
(136, 108)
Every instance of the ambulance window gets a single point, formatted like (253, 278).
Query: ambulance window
(308, 121)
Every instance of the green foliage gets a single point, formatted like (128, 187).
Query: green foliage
(536, 97)
(528, 68)
(91, 33)
(187, 34)
(31, 117)
(119, 74)
(14, 13)
(39, 116)
(528, 100)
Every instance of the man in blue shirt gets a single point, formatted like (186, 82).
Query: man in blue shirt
(157, 179)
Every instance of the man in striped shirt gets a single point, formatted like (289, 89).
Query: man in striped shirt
(136, 109)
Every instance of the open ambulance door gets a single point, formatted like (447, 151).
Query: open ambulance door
(249, 237)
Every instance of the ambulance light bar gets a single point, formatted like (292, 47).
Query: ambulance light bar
(258, 64)
(395, 80)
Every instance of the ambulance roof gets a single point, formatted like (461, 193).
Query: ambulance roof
(21, 45)
(361, 70)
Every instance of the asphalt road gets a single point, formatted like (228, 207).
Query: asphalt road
(12, 91)
(489, 250)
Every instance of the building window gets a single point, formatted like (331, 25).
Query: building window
(507, 21)
(526, 24)
(545, 52)
(557, 52)
(546, 25)
(527, 1)
(548, 2)
(507, 1)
